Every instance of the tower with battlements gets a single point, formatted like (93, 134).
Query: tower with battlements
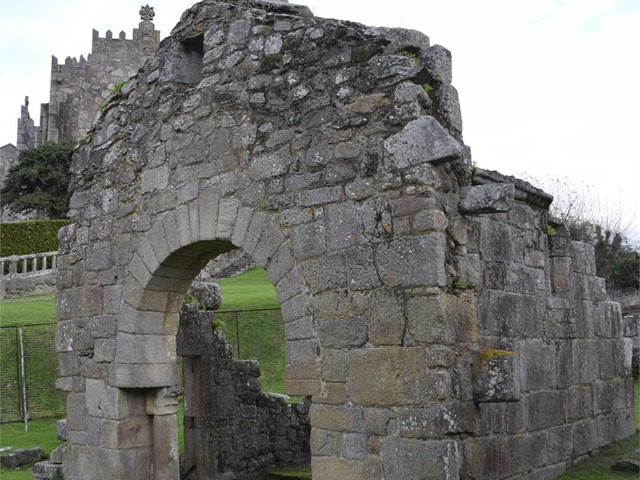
(78, 87)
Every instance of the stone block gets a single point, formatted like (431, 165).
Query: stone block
(495, 376)
(104, 401)
(403, 262)
(430, 221)
(536, 365)
(386, 323)
(103, 326)
(362, 271)
(132, 375)
(73, 335)
(47, 470)
(57, 454)
(289, 285)
(496, 243)
(584, 360)
(300, 359)
(421, 140)
(254, 231)
(585, 258)
(22, 456)
(242, 224)
(62, 431)
(132, 463)
(337, 418)
(610, 320)
(349, 332)
(544, 409)
(342, 468)
(481, 458)
(444, 319)
(506, 314)
(280, 264)
(268, 245)
(490, 198)
(208, 206)
(343, 226)
(585, 437)
(332, 365)
(470, 270)
(448, 109)
(98, 256)
(578, 402)
(320, 196)
(324, 273)
(76, 411)
(561, 274)
(441, 419)
(408, 459)
(380, 421)
(309, 240)
(354, 446)
(546, 473)
(324, 442)
(398, 373)
(332, 394)
(145, 349)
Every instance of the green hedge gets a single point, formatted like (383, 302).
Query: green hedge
(35, 236)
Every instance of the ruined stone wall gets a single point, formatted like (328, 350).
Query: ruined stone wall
(440, 329)
(231, 426)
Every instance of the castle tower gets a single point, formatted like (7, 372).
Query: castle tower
(78, 87)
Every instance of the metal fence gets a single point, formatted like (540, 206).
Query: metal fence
(29, 362)
(28, 373)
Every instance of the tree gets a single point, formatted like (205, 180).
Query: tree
(601, 223)
(40, 180)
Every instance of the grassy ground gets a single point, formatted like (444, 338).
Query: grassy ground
(28, 310)
(248, 291)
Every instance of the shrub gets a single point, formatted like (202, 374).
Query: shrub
(35, 236)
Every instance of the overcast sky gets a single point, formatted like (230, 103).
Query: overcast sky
(548, 88)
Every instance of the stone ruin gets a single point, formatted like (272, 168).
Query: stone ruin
(231, 425)
(441, 324)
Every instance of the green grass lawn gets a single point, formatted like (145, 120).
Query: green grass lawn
(28, 310)
(248, 291)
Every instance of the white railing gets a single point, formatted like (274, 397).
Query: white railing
(32, 265)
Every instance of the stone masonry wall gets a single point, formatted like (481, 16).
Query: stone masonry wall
(231, 426)
(440, 328)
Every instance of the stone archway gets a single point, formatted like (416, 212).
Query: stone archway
(427, 312)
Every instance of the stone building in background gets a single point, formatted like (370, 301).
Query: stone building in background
(78, 87)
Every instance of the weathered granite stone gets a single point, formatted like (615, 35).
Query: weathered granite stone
(207, 294)
(487, 198)
(47, 471)
(21, 456)
(495, 378)
(422, 140)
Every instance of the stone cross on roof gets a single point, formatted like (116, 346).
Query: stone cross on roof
(147, 13)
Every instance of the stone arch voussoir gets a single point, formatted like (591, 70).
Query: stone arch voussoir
(162, 267)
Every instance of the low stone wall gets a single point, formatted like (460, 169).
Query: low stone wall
(232, 428)
(11, 287)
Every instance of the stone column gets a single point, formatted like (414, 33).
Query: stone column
(162, 404)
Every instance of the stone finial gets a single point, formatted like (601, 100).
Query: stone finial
(147, 13)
